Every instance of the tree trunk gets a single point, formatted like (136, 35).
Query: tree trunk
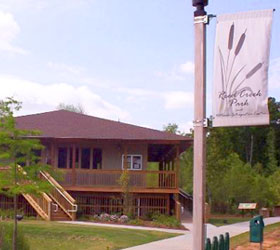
(15, 224)
(15, 210)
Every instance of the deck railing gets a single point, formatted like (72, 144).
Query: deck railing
(110, 178)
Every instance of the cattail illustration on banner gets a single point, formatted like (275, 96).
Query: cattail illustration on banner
(231, 36)
(241, 62)
(228, 80)
(240, 43)
(250, 74)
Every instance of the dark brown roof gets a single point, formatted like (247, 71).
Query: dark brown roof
(66, 124)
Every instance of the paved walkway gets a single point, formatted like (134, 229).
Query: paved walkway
(182, 242)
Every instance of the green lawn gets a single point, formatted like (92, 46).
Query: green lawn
(242, 239)
(55, 236)
(221, 221)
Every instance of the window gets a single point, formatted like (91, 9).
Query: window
(62, 157)
(85, 158)
(134, 162)
(97, 158)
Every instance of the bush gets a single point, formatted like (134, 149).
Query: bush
(104, 217)
(124, 219)
(137, 222)
(162, 219)
(6, 214)
(6, 238)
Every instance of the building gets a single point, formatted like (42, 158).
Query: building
(93, 153)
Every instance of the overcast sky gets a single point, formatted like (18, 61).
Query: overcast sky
(127, 60)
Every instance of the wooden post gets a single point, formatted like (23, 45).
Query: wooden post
(177, 207)
(177, 164)
(73, 165)
(199, 236)
(125, 162)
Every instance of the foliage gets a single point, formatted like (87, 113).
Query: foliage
(6, 235)
(6, 214)
(162, 219)
(127, 197)
(19, 147)
(172, 128)
(242, 164)
(186, 170)
(70, 107)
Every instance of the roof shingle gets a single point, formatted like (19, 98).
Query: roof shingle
(66, 124)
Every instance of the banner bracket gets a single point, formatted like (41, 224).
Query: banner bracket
(201, 123)
(203, 19)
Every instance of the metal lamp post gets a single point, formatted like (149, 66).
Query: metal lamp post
(200, 21)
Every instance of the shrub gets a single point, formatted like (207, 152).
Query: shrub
(6, 238)
(6, 214)
(162, 219)
(114, 217)
(124, 219)
(137, 222)
(104, 217)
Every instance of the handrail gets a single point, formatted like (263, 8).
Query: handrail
(62, 193)
(41, 204)
(56, 207)
(58, 187)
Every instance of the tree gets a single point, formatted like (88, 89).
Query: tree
(171, 128)
(17, 149)
(70, 107)
(186, 170)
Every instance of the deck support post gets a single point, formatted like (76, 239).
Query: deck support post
(177, 207)
(73, 165)
(177, 166)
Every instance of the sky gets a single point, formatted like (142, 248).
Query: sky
(126, 60)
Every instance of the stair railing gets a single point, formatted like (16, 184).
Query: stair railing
(63, 199)
(42, 204)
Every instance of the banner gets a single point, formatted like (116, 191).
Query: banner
(241, 62)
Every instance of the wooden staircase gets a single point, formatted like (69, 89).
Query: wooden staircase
(56, 205)
(41, 204)
(58, 214)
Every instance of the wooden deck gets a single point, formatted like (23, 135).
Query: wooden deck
(108, 180)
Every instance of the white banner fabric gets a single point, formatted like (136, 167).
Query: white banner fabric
(241, 60)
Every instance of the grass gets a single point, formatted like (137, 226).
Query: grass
(242, 239)
(221, 221)
(52, 235)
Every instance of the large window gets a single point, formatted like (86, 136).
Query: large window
(97, 158)
(62, 157)
(134, 162)
(85, 157)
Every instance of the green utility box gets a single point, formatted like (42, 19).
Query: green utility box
(256, 229)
